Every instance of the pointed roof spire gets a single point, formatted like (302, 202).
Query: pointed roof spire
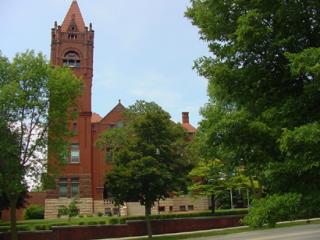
(73, 16)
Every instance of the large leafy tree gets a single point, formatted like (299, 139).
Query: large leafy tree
(34, 98)
(213, 177)
(12, 182)
(263, 77)
(147, 157)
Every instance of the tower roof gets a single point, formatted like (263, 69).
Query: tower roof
(73, 16)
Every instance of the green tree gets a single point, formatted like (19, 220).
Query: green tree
(147, 157)
(209, 179)
(263, 88)
(12, 183)
(31, 93)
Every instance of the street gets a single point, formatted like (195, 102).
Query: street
(305, 232)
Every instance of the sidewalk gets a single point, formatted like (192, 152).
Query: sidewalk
(206, 231)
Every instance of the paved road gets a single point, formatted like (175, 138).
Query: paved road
(305, 232)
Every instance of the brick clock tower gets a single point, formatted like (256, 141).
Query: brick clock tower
(72, 45)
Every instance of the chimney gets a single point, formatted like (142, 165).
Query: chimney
(185, 117)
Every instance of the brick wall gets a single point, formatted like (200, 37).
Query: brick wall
(132, 228)
(37, 198)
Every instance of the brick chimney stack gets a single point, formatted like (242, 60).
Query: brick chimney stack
(185, 117)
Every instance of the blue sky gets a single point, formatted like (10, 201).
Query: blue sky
(144, 49)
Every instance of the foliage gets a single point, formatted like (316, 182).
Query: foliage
(11, 172)
(218, 213)
(148, 150)
(63, 211)
(114, 221)
(263, 109)
(30, 91)
(41, 227)
(272, 209)
(92, 223)
(71, 211)
(34, 212)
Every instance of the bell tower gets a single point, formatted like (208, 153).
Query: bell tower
(72, 46)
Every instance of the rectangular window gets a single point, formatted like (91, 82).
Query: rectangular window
(182, 208)
(74, 128)
(63, 187)
(161, 208)
(75, 153)
(190, 207)
(74, 187)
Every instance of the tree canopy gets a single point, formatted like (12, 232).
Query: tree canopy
(147, 157)
(35, 98)
(263, 86)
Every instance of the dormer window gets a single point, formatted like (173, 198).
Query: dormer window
(71, 59)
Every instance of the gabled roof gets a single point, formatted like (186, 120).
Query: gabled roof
(73, 16)
(95, 118)
(189, 128)
(119, 108)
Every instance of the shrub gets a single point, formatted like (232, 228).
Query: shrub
(81, 216)
(192, 214)
(311, 205)
(81, 223)
(102, 222)
(92, 223)
(272, 209)
(4, 228)
(63, 211)
(41, 227)
(100, 214)
(34, 212)
(114, 221)
(73, 209)
(23, 228)
(122, 221)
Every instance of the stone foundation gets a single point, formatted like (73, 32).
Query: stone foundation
(169, 205)
(52, 206)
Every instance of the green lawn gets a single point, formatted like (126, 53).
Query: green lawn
(43, 224)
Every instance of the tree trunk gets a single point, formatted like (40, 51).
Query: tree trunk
(13, 220)
(213, 203)
(148, 212)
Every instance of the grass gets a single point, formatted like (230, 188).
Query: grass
(32, 224)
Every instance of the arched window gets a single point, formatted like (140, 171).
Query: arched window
(71, 59)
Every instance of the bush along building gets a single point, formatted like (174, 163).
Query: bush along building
(83, 176)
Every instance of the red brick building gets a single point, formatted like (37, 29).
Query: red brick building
(72, 45)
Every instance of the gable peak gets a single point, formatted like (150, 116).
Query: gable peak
(73, 20)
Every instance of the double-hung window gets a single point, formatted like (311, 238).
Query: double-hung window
(74, 187)
(75, 153)
(63, 187)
